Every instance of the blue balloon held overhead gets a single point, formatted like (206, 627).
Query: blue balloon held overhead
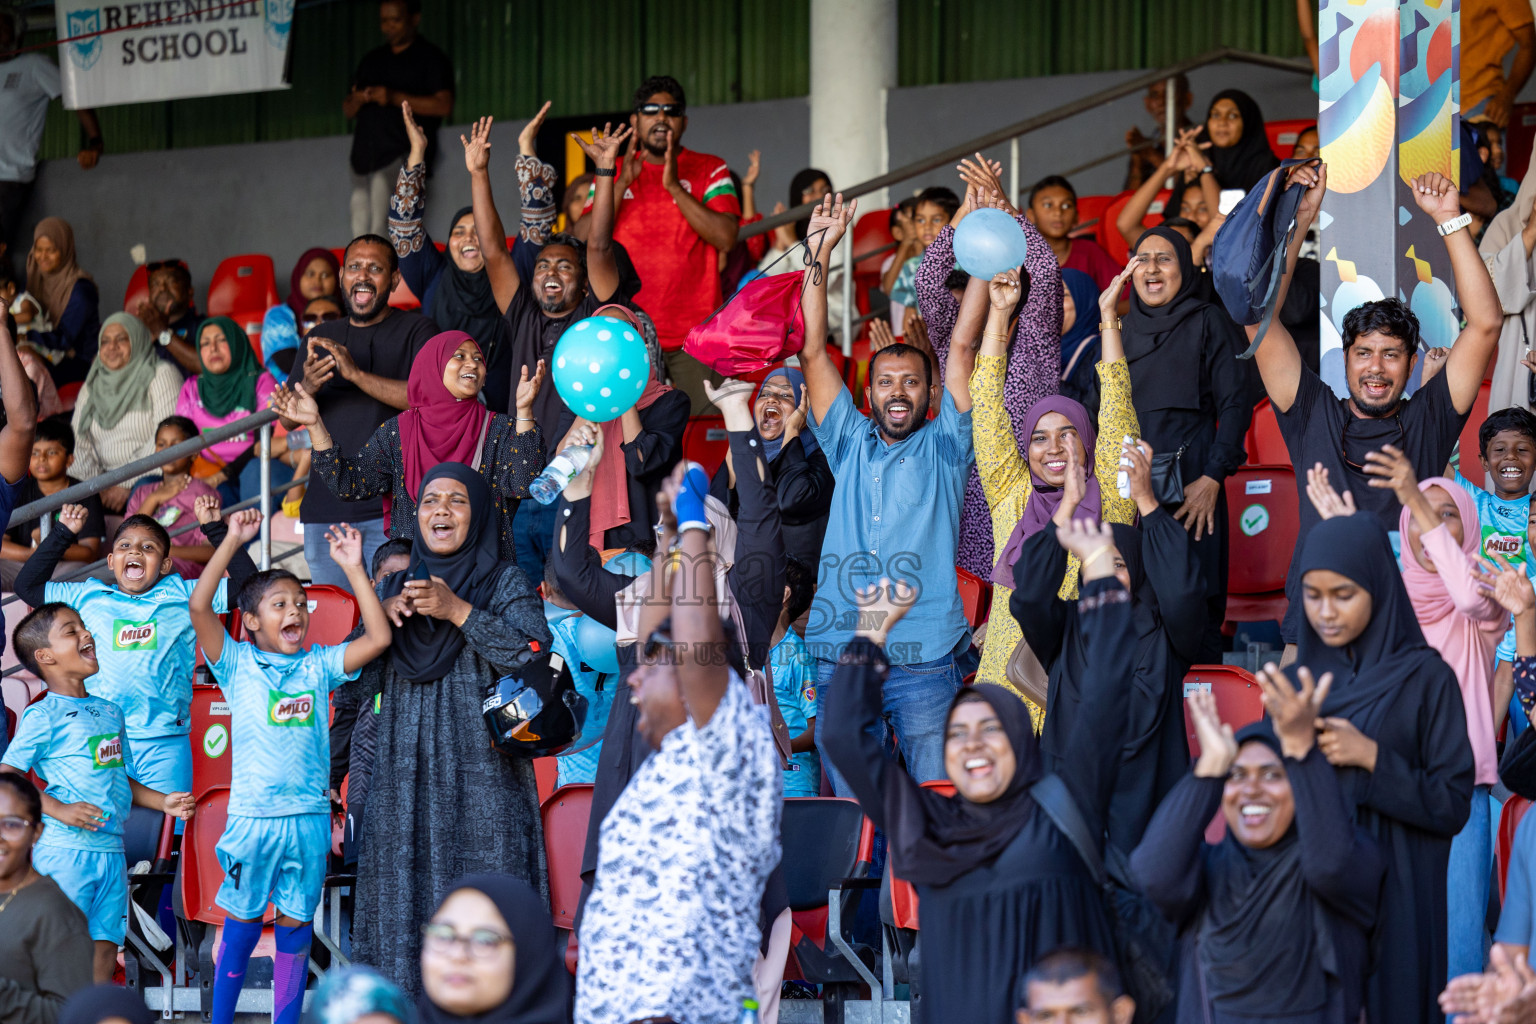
(599, 645)
(988, 242)
(600, 367)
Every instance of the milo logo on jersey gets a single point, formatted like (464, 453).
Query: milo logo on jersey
(106, 750)
(290, 708)
(1511, 546)
(134, 636)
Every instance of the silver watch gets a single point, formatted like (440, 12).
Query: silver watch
(165, 338)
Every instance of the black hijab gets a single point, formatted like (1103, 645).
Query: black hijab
(540, 993)
(1147, 327)
(797, 186)
(425, 648)
(1242, 165)
(465, 302)
(934, 838)
(99, 1002)
(1262, 943)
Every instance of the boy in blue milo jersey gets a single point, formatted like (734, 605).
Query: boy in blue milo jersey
(279, 831)
(77, 743)
(794, 683)
(147, 652)
(1506, 444)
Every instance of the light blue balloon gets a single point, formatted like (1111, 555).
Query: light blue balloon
(600, 367)
(599, 645)
(988, 242)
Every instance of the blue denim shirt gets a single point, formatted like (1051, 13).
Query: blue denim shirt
(896, 513)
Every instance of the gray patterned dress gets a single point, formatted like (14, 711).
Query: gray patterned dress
(442, 803)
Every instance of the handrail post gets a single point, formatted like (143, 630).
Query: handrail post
(1013, 172)
(847, 295)
(266, 496)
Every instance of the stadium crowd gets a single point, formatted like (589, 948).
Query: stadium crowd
(1086, 841)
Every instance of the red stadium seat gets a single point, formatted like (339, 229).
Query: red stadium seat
(333, 614)
(871, 231)
(242, 283)
(68, 393)
(1238, 697)
(827, 849)
(138, 289)
(903, 894)
(546, 773)
(250, 323)
(566, 814)
(976, 595)
(1471, 462)
(211, 739)
(200, 873)
(1283, 134)
(1262, 526)
(403, 298)
(1090, 217)
(705, 442)
(1509, 821)
(1266, 446)
(1113, 241)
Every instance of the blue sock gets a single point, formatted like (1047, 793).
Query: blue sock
(240, 938)
(289, 972)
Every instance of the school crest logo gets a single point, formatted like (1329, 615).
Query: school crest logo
(290, 708)
(135, 636)
(106, 750)
(85, 52)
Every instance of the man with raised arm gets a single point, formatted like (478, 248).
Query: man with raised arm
(1381, 345)
(895, 511)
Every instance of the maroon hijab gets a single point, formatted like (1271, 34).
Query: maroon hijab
(1044, 500)
(438, 427)
(296, 299)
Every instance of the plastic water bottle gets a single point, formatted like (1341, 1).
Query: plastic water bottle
(546, 487)
(1122, 478)
(748, 1012)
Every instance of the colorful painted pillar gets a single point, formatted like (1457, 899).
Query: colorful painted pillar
(1390, 95)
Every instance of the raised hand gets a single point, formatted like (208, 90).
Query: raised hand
(244, 525)
(1109, 298)
(1091, 542)
(1218, 747)
(1003, 290)
(72, 518)
(1293, 711)
(528, 138)
(754, 168)
(1434, 361)
(880, 335)
(207, 509)
(1390, 469)
(986, 176)
(294, 403)
(413, 132)
(1139, 474)
(734, 399)
(346, 545)
(606, 144)
(1505, 584)
(881, 606)
(794, 423)
(477, 146)
(528, 389)
(1330, 504)
(1073, 490)
(1436, 195)
(829, 222)
(1312, 198)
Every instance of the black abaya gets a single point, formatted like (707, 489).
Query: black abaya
(983, 930)
(1398, 691)
(1169, 617)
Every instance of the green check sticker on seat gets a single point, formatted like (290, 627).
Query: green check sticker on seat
(1254, 520)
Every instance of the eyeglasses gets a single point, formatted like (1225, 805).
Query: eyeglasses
(311, 319)
(13, 828)
(150, 268)
(652, 109)
(481, 943)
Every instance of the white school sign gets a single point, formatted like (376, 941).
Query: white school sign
(170, 49)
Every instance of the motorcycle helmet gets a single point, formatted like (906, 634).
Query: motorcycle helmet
(535, 712)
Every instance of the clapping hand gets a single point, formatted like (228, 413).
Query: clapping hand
(880, 335)
(294, 403)
(734, 400)
(1073, 490)
(477, 146)
(1390, 469)
(1218, 747)
(986, 176)
(1509, 586)
(1294, 711)
(1139, 474)
(881, 606)
(528, 389)
(1109, 298)
(754, 168)
(417, 137)
(1330, 504)
(604, 148)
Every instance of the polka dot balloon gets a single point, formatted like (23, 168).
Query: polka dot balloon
(600, 367)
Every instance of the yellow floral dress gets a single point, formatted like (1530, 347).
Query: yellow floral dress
(1004, 472)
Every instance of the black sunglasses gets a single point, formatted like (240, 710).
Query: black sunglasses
(670, 109)
(311, 319)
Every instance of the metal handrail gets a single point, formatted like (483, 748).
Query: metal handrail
(1050, 117)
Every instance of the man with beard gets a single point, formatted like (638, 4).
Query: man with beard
(677, 211)
(571, 279)
(171, 314)
(900, 481)
(356, 368)
(1381, 344)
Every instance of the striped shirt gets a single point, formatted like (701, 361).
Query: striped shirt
(102, 448)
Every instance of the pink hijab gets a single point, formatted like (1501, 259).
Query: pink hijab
(438, 427)
(1431, 600)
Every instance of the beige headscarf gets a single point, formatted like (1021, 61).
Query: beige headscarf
(1509, 222)
(53, 290)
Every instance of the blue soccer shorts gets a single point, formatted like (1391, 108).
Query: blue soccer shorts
(96, 881)
(281, 860)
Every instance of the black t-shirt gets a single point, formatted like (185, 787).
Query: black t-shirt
(95, 517)
(1425, 428)
(534, 334)
(385, 349)
(421, 69)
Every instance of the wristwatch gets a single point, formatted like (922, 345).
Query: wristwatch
(1455, 224)
(165, 337)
